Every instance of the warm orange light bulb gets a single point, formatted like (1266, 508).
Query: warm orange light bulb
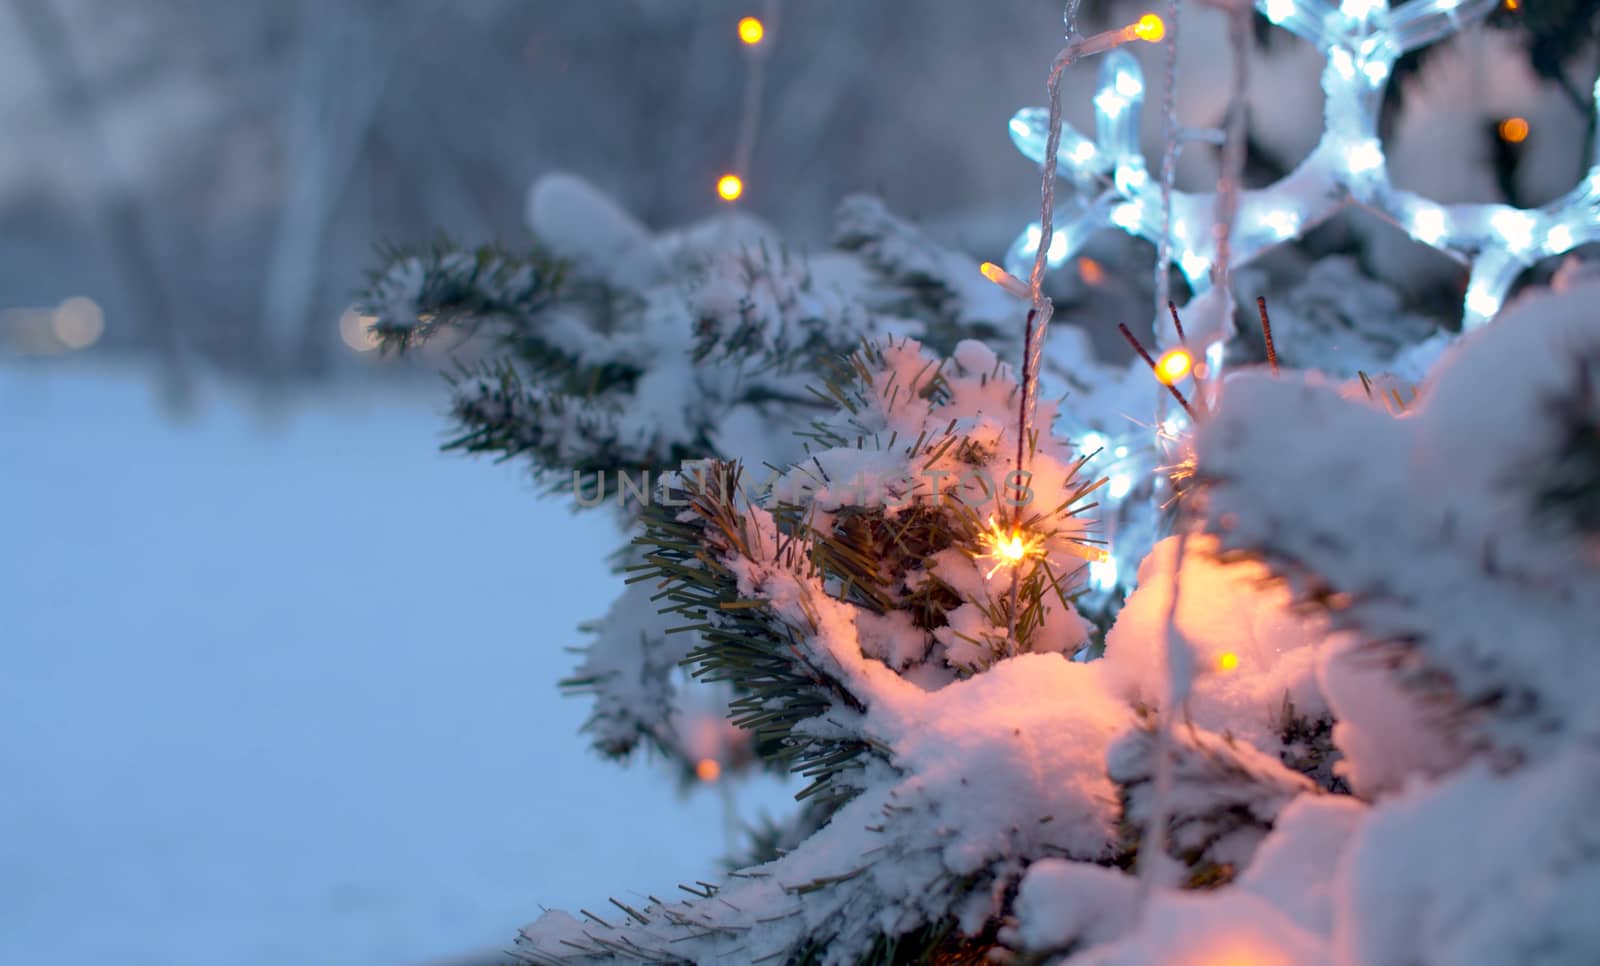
(1173, 365)
(1150, 27)
(730, 187)
(1227, 661)
(1092, 272)
(751, 30)
(707, 770)
(1514, 129)
(1005, 280)
(1513, 4)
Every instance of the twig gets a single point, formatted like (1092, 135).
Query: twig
(1266, 333)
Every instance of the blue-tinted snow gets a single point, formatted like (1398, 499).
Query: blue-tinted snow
(286, 694)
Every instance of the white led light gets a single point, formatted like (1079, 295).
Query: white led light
(1428, 224)
(1090, 443)
(1364, 156)
(1058, 248)
(1194, 265)
(1482, 302)
(1361, 40)
(1119, 486)
(1282, 222)
(1121, 452)
(1103, 573)
(1110, 103)
(1278, 11)
(1515, 228)
(1342, 62)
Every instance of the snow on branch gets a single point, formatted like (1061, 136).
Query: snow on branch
(1455, 538)
(1224, 799)
(620, 350)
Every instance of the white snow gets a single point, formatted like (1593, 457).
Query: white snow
(1205, 928)
(1061, 902)
(1293, 866)
(1251, 649)
(1430, 528)
(1415, 886)
(286, 694)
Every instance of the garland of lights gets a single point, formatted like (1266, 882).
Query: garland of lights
(752, 33)
(1361, 40)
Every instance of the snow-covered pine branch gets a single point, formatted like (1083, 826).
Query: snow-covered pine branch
(612, 350)
(1456, 539)
(619, 350)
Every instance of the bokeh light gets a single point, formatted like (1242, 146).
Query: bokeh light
(1514, 129)
(78, 322)
(354, 329)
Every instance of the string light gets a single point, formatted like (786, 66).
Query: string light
(1227, 661)
(707, 770)
(1361, 40)
(1004, 279)
(1173, 365)
(1149, 28)
(1103, 574)
(1091, 271)
(1514, 129)
(752, 33)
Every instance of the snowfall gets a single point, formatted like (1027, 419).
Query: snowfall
(282, 688)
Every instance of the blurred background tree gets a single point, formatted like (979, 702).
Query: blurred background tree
(214, 176)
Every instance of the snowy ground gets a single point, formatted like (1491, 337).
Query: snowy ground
(285, 694)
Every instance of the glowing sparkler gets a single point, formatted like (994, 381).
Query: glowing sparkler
(1008, 546)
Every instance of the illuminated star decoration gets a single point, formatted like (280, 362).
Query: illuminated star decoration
(1361, 40)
